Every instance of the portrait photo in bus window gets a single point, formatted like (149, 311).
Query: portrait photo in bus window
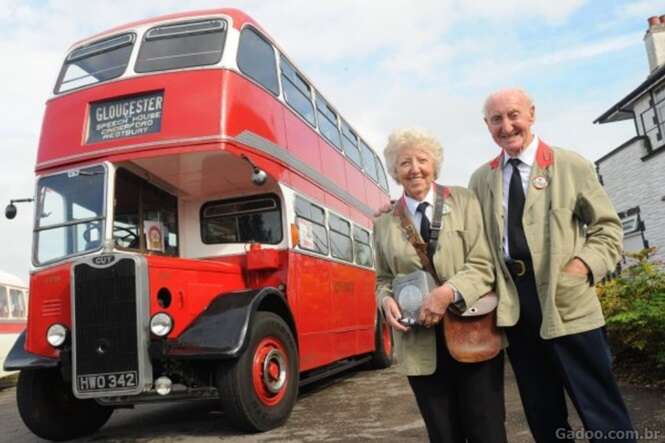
(4, 303)
(297, 93)
(139, 208)
(341, 245)
(182, 45)
(311, 219)
(17, 299)
(362, 250)
(96, 62)
(256, 59)
(328, 122)
(255, 218)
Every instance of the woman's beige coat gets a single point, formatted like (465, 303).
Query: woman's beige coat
(462, 257)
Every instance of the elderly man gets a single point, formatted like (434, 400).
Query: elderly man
(553, 233)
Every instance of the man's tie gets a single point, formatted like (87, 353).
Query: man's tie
(425, 227)
(517, 245)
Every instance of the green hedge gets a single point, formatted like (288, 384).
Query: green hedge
(634, 306)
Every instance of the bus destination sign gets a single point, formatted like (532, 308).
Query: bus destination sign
(127, 117)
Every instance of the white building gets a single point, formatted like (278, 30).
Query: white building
(634, 173)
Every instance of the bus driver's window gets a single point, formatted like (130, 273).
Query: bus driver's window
(145, 217)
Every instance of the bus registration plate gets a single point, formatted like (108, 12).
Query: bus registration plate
(114, 381)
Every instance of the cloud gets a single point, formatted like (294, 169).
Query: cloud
(642, 8)
(511, 11)
(589, 50)
(507, 69)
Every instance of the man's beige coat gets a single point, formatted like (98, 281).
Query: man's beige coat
(567, 214)
(462, 257)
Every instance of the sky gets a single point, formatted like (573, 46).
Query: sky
(383, 64)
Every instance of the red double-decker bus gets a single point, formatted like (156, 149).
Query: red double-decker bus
(202, 228)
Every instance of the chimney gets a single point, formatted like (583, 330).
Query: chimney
(654, 40)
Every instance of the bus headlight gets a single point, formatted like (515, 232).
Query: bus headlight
(161, 324)
(56, 335)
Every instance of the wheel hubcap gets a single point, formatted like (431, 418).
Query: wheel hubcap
(270, 371)
(274, 371)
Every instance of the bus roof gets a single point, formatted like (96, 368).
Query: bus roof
(239, 19)
(11, 280)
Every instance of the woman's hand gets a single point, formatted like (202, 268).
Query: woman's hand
(393, 314)
(435, 304)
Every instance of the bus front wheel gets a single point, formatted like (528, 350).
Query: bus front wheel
(258, 390)
(382, 357)
(49, 409)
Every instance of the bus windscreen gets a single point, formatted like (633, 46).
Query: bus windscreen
(97, 62)
(182, 45)
(70, 214)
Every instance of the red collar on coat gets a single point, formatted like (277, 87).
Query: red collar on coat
(544, 157)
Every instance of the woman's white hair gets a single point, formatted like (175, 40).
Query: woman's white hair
(411, 138)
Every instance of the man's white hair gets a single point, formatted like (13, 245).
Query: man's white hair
(495, 94)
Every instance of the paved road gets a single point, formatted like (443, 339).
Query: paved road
(358, 406)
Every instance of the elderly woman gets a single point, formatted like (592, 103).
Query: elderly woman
(458, 401)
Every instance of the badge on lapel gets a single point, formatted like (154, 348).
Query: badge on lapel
(446, 209)
(539, 182)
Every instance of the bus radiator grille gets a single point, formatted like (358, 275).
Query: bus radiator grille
(105, 319)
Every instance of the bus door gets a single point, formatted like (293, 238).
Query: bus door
(342, 286)
(309, 284)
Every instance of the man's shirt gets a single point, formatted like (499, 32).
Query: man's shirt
(527, 157)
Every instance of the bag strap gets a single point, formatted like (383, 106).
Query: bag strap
(435, 227)
(437, 219)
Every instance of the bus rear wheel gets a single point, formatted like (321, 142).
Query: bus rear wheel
(382, 357)
(49, 409)
(258, 390)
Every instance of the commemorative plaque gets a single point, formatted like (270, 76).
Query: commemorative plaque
(125, 117)
(409, 291)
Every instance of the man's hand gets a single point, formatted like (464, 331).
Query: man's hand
(576, 266)
(435, 305)
(393, 314)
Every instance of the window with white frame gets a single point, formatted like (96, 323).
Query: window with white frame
(653, 118)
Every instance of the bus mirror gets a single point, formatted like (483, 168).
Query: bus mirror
(10, 211)
(259, 176)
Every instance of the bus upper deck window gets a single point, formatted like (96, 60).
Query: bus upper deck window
(182, 45)
(256, 59)
(97, 62)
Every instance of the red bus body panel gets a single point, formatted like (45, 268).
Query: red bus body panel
(197, 106)
(214, 110)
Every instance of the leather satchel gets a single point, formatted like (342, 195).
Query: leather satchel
(471, 336)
